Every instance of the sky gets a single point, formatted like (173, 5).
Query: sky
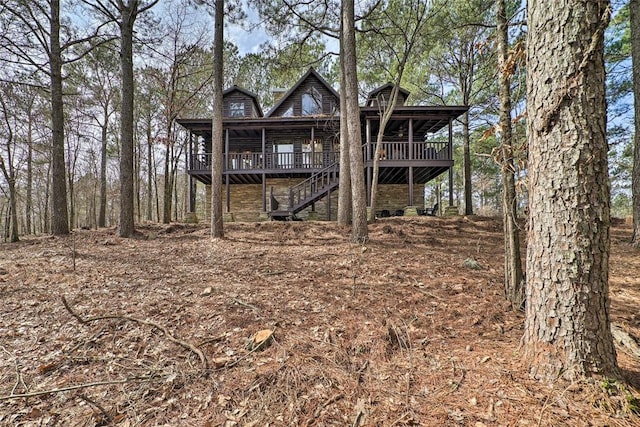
(249, 35)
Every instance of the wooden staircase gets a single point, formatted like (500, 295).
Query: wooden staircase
(304, 194)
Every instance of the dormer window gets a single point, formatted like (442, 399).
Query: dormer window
(311, 102)
(236, 109)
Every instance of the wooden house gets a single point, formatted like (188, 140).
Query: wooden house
(284, 164)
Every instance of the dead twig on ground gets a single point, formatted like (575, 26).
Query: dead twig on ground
(96, 405)
(19, 379)
(165, 331)
(75, 387)
(246, 304)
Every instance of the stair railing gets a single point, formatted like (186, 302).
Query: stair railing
(312, 187)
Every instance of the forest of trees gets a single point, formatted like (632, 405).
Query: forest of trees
(90, 91)
(62, 139)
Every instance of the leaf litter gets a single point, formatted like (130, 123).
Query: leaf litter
(283, 324)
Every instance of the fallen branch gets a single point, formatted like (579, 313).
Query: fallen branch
(165, 331)
(74, 387)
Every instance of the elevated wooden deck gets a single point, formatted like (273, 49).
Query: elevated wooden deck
(427, 160)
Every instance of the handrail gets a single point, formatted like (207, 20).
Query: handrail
(404, 150)
(303, 193)
(248, 161)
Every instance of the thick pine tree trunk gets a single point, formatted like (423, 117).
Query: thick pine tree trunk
(513, 278)
(359, 232)
(59, 212)
(567, 311)
(344, 189)
(634, 17)
(217, 230)
(127, 20)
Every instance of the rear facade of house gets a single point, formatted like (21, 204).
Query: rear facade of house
(285, 164)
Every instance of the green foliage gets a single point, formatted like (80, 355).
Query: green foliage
(618, 397)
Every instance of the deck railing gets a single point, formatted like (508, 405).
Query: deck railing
(409, 151)
(249, 161)
(270, 161)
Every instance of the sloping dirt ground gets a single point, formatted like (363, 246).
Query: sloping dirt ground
(394, 333)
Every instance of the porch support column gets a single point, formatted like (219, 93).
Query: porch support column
(367, 157)
(411, 154)
(264, 192)
(369, 179)
(192, 182)
(227, 189)
(263, 167)
(450, 158)
(410, 186)
(225, 157)
(264, 148)
(329, 205)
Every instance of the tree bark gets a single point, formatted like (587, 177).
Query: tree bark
(513, 277)
(345, 208)
(217, 228)
(128, 14)
(102, 214)
(567, 312)
(634, 18)
(167, 193)
(59, 212)
(359, 232)
(29, 196)
(149, 171)
(9, 173)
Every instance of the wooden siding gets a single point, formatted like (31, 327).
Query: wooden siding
(386, 93)
(330, 103)
(237, 96)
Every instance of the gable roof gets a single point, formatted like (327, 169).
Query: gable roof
(251, 95)
(372, 95)
(310, 72)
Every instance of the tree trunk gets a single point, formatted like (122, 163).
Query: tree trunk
(59, 213)
(149, 172)
(102, 215)
(567, 312)
(634, 18)
(385, 116)
(513, 278)
(359, 232)
(217, 229)
(167, 194)
(127, 19)
(345, 208)
(466, 164)
(28, 208)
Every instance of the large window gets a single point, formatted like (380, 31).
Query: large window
(311, 102)
(284, 154)
(236, 109)
(312, 153)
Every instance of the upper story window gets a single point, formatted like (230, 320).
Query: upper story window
(311, 102)
(288, 112)
(236, 109)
